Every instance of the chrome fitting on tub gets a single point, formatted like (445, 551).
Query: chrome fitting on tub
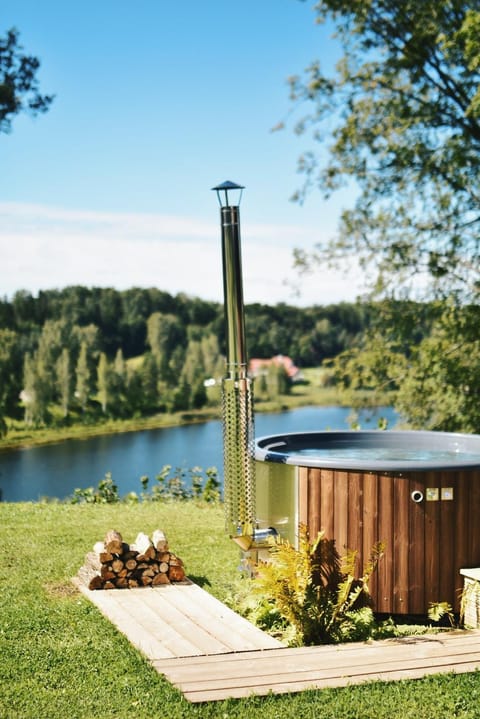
(259, 539)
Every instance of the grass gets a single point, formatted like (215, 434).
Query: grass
(60, 658)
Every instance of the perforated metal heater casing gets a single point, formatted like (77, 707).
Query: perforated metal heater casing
(238, 422)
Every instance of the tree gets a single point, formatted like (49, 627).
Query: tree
(33, 394)
(103, 381)
(19, 91)
(64, 380)
(167, 338)
(54, 335)
(9, 389)
(83, 375)
(401, 118)
(149, 383)
(193, 376)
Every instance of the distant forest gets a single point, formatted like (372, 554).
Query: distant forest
(85, 352)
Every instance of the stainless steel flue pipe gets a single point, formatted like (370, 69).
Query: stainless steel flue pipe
(237, 390)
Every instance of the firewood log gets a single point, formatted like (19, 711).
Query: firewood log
(159, 540)
(113, 542)
(176, 574)
(107, 573)
(160, 579)
(96, 582)
(175, 561)
(163, 567)
(121, 582)
(129, 554)
(117, 566)
(144, 547)
(131, 564)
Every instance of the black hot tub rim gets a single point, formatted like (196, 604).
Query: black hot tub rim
(464, 449)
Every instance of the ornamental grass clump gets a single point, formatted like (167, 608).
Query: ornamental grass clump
(316, 592)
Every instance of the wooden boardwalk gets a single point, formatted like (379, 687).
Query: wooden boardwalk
(178, 620)
(211, 653)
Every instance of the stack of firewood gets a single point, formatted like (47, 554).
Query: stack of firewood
(114, 564)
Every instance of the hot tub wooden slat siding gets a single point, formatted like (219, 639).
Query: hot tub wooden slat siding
(447, 549)
(416, 547)
(463, 529)
(370, 522)
(427, 543)
(401, 536)
(384, 599)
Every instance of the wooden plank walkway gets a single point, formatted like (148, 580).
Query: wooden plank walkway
(281, 671)
(178, 620)
(211, 653)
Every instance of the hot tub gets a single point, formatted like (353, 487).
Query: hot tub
(417, 492)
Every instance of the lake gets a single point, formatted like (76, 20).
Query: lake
(56, 470)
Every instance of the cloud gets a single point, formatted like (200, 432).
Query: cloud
(46, 247)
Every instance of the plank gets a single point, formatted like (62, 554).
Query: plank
(204, 610)
(331, 659)
(177, 620)
(295, 687)
(121, 617)
(281, 671)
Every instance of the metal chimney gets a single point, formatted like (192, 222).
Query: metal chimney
(237, 390)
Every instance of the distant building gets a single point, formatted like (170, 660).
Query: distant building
(257, 367)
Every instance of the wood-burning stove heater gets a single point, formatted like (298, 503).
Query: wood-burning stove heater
(237, 394)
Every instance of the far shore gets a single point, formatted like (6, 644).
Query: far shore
(19, 436)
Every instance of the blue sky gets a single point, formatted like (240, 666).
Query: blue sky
(156, 102)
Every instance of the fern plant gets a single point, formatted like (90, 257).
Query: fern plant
(316, 591)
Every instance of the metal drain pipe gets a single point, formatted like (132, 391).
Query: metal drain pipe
(237, 390)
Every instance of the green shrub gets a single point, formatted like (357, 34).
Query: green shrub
(316, 592)
(177, 484)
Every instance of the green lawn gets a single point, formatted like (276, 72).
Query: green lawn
(61, 659)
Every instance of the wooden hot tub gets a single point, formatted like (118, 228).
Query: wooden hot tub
(417, 492)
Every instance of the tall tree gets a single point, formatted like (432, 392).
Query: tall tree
(19, 87)
(193, 375)
(64, 380)
(83, 377)
(103, 383)
(167, 338)
(33, 394)
(401, 118)
(9, 389)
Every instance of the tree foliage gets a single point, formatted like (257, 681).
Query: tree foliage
(400, 119)
(90, 353)
(19, 86)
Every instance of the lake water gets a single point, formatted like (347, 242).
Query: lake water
(56, 470)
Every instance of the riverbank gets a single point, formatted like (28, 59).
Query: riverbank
(303, 395)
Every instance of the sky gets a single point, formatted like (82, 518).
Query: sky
(156, 102)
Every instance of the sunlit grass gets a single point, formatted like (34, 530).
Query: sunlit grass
(60, 658)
